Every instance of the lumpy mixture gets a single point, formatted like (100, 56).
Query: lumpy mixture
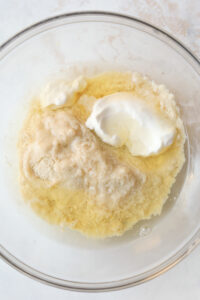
(70, 177)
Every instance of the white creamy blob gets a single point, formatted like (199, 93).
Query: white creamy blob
(59, 92)
(123, 119)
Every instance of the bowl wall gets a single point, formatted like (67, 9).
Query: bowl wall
(87, 44)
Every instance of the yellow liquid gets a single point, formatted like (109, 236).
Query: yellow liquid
(80, 211)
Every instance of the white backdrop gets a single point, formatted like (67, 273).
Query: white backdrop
(180, 18)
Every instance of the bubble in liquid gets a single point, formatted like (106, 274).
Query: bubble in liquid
(144, 231)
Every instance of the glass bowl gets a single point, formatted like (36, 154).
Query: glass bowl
(88, 43)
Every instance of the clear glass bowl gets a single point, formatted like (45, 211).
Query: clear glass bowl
(88, 43)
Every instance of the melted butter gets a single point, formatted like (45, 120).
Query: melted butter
(78, 210)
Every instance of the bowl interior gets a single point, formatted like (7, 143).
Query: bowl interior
(89, 44)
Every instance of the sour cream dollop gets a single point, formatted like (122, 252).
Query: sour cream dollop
(124, 119)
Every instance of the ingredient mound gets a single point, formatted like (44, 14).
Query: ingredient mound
(71, 177)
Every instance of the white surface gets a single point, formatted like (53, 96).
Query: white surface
(181, 18)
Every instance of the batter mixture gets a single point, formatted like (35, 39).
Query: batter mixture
(99, 154)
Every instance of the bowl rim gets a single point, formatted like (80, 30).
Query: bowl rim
(127, 282)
